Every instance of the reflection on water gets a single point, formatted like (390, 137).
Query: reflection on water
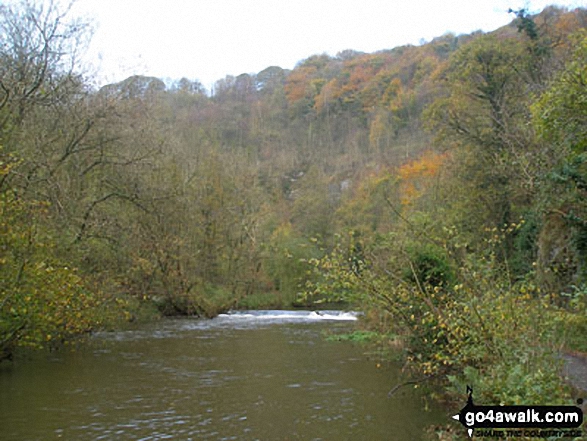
(266, 375)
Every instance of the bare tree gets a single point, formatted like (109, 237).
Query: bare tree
(39, 49)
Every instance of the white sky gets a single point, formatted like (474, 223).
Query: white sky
(209, 39)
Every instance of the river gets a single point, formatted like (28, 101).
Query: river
(264, 375)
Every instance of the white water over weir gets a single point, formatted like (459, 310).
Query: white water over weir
(281, 316)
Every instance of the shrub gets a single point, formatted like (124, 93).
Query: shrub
(429, 264)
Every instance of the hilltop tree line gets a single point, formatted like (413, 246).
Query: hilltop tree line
(414, 182)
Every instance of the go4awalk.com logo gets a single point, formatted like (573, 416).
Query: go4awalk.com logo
(520, 421)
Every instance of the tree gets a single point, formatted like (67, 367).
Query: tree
(484, 117)
(560, 116)
(43, 301)
(270, 79)
(314, 205)
(136, 86)
(38, 57)
(189, 87)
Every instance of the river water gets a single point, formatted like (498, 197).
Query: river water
(264, 375)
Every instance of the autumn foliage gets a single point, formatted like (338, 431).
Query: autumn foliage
(377, 173)
(416, 176)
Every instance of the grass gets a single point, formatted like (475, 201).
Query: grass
(357, 336)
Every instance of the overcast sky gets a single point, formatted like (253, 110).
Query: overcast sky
(209, 39)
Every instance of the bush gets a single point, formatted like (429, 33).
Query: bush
(429, 264)
(43, 301)
(468, 325)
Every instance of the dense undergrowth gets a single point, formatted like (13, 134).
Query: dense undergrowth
(460, 324)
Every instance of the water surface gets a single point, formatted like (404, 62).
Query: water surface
(266, 375)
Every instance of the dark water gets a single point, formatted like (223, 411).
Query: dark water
(258, 376)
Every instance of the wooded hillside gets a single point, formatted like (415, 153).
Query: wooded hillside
(414, 181)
